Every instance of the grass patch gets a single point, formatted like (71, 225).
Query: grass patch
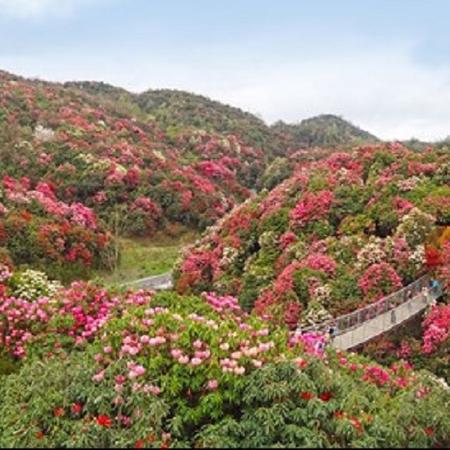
(7, 365)
(144, 257)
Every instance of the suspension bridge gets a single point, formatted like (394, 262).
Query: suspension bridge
(355, 329)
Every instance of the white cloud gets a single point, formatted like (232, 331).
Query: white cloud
(37, 8)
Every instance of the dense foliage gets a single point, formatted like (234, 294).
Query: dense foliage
(139, 370)
(175, 111)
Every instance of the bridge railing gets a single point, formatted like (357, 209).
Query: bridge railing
(349, 322)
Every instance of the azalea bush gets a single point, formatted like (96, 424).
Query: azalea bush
(37, 229)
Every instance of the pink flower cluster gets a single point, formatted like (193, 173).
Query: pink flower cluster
(287, 239)
(19, 192)
(322, 263)
(90, 311)
(379, 280)
(222, 303)
(82, 311)
(311, 207)
(313, 343)
(17, 320)
(376, 375)
(436, 328)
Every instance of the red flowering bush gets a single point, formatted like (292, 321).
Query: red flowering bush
(436, 328)
(312, 207)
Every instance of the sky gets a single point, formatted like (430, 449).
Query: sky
(382, 64)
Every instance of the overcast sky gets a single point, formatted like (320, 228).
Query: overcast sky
(383, 64)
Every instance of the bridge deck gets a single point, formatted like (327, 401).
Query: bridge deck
(382, 324)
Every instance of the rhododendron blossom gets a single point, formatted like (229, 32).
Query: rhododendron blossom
(312, 207)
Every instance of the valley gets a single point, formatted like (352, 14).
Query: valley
(270, 242)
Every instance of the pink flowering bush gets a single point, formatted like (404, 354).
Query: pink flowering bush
(312, 207)
(436, 328)
(37, 228)
(379, 280)
(57, 317)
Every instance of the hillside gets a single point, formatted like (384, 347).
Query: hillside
(326, 131)
(70, 148)
(221, 362)
(340, 233)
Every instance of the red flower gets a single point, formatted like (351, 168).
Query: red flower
(356, 423)
(326, 396)
(306, 396)
(76, 408)
(139, 444)
(433, 257)
(104, 421)
(429, 432)
(58, 412)
(40, 435)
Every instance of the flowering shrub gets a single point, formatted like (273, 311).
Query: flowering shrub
(379, 280)
(312, 207)
(436, 328)
(32, 285)
(38, 229)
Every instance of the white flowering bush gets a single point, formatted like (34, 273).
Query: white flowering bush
(415, 227)
(371, 253)
(32, 285)
(409, 184)
(43, 134)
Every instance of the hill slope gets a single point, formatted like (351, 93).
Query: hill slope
(175, 110)
(338, 234)
(71, 148)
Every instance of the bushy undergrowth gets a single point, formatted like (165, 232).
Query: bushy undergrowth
(145, 370)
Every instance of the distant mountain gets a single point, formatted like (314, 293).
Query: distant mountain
(322, 131)
(174, 111)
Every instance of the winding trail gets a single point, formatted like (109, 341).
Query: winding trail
(162, 282)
